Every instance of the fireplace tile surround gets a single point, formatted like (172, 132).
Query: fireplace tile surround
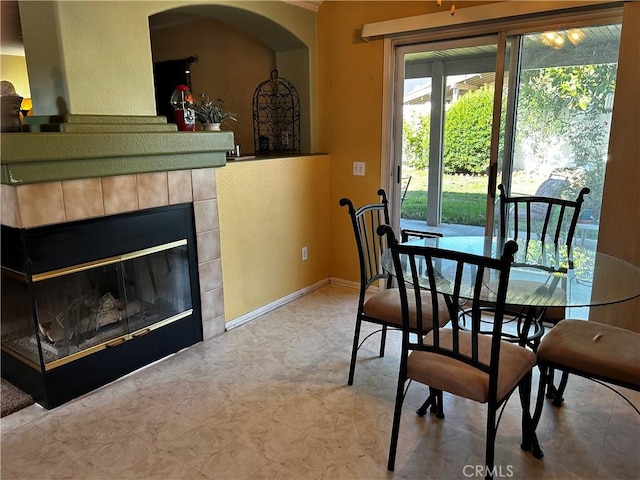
(111, 167)
(38, 204)
(75, 167)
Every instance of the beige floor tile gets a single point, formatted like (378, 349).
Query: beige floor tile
(123, 453)
(156, 465)
(196, 447)
(35, 455)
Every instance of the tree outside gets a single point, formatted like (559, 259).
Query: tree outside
(562, 128)
(570, 105)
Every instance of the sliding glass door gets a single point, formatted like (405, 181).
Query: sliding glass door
(443, 154)
(531, 111)
(564, 99)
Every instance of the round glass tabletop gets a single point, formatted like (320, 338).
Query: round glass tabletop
(544, 275)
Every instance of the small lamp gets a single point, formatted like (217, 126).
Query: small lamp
(26, 106)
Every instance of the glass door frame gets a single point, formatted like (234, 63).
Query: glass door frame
(437, 118)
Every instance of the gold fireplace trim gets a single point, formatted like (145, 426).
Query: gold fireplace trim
(107, 261)
(101, 346)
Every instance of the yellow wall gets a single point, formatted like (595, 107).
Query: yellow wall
(231, 67)
(269, 210)
(350, 111)
(14, 69)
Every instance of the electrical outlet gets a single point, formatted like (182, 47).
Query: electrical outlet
(304, 253)
(358, 168)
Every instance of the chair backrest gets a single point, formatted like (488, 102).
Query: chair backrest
(460, 276)
(365, 221)
(542, 218)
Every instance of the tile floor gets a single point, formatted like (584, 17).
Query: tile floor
(269, 400)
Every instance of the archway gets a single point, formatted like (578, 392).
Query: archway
(235, 50)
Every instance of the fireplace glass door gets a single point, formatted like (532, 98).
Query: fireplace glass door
(89, 307)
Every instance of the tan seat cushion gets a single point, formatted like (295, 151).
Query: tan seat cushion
(594, 348)
(450, 375)
(385, 305)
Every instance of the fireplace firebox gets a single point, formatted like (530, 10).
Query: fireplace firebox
(84, 303)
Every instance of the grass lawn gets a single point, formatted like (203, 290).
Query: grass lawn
(463, 196)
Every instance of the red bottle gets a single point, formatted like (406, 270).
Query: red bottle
(184, 115)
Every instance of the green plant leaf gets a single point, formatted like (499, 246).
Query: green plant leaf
(209, 112)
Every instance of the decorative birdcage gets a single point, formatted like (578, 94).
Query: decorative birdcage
(276, 117)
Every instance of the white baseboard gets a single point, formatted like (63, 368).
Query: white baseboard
(347, 283)
(247, 317)
(344, 283)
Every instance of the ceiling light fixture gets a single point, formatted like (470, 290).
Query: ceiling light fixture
(557, 41)
(575, 35)
(553, 40)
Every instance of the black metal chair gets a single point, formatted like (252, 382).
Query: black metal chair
(533, 220)
(466, 363)
(383, 307)
(544, 218)
(540, 218)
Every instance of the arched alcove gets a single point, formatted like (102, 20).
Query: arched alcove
(235, 50)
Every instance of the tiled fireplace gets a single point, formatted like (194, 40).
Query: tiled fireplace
(35, 205)
(80, 193)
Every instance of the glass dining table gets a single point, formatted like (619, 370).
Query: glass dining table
(543, 275)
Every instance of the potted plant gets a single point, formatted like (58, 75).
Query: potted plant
(211, 115)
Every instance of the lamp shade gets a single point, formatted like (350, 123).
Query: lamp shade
(26, 105)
